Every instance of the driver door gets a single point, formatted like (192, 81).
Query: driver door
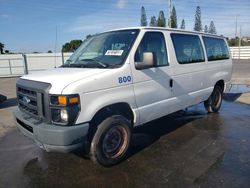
(153, 86)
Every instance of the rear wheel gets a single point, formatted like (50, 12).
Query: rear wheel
(213, 103)
(111, 141)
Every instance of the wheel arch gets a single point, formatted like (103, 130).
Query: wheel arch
(221, 84)
(121, 108)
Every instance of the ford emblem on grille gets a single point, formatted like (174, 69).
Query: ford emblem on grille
(26, 100)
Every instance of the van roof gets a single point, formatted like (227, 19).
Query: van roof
(167, 29)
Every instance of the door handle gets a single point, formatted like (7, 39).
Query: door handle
(171, 83)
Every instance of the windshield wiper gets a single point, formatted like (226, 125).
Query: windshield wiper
(75, 65)
(96, 61)
(80, 65)
(67, 63)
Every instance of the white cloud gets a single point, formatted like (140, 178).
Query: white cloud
(121, 4)
(5, 16)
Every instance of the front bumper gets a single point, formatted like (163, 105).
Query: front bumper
(51, 137)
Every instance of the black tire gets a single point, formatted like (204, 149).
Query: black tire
(213, 103)
(111, 141)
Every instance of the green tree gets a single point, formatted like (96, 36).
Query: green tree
(212, 28)
(161, 22)
(197, 23)
(153, 21)
(88, 36)
(233, 41)
(7, 51)
(66, 47)
(143, 17)
(49, 51)
(183, 24)
(205, 29)
(71, 46)
(1, 47)
(173, 18)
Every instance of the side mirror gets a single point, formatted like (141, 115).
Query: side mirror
(148, 61)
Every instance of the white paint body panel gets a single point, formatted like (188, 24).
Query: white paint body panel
(60, 78)
(148, 94)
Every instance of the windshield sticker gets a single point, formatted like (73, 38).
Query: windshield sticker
(114, 52)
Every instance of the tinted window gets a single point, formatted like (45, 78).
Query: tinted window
(216, 48)
(188, 48)
(153, 42)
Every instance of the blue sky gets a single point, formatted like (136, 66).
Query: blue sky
(30, 25)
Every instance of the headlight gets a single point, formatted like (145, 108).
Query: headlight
(64, 109)
(64, 115)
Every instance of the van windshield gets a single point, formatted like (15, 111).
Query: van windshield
(106, 50)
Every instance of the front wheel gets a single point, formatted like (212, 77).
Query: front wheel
(111, 141)
(213, 103)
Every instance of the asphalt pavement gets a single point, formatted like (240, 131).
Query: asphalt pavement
(186, 149)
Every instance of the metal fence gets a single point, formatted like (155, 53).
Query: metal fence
(11, 66)
(19, 64)
(242, 52)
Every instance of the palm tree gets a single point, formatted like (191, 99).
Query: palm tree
(1, 47)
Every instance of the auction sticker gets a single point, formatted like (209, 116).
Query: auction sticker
(114, 52)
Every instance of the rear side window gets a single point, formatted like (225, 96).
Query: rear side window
(188, 48)
(216, 48)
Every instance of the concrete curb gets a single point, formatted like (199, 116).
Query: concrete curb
(2, 98)
(237, 97)
(240, 81)
(244, 98)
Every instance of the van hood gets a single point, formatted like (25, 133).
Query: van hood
(59, 78)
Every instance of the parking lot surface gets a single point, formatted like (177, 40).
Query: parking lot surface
(186, 149)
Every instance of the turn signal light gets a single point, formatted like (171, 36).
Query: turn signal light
(62, 100)
(73, 100)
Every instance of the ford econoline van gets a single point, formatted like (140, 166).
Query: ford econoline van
(117, 80)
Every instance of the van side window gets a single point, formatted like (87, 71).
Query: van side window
(216, 48)
(188, 48)
(153, 42)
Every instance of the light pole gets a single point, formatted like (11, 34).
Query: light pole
(239, 42)
(169, 11)
(55, 47)
(236, 25)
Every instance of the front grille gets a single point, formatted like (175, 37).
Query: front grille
(27, 100)
(33, 98)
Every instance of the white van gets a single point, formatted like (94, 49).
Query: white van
(118, 80)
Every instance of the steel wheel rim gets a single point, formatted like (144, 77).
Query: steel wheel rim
(216, 99)
(115, 142)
